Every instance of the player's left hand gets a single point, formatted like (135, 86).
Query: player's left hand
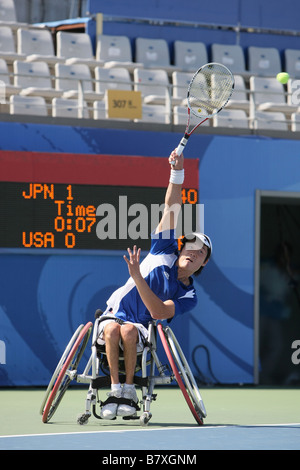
(133, 262)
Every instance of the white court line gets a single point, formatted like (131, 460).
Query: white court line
(111, 431)
(154, 429)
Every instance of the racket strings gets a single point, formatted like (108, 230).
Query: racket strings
(210, 90)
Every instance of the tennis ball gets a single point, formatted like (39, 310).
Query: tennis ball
(283, 77)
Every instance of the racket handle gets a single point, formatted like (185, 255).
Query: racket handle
(181, 146)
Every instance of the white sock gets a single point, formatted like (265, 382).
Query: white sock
(115, 387)
(129, 386)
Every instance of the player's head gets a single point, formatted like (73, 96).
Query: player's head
(196, 241)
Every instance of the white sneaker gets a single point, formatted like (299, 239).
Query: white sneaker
(109, 411)
(124, 409)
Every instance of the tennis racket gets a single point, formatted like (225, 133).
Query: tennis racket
(209, 91)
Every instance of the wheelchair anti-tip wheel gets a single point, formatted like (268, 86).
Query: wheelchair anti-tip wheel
(65, 371)
(182, 372)
(145, 418)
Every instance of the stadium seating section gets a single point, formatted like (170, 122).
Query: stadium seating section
(61, 76)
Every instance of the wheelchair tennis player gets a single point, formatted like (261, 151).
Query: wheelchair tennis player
(159, 288)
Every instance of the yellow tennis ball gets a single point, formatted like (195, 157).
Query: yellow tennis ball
(283, 77)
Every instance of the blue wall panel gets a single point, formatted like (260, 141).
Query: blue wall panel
(230, 172)
(212, 12)
(257, 13)
(44, 297)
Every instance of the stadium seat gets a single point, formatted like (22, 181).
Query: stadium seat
(264, 61)
(267, 94)
(292, 62)
(269, 120)
(99, 110)
(7, 11)
(232, 56)
(181, 81)
(115, 78)
(154, 53)
(28, 105)
(34, 78)
(295, 118)
(115, 51)
(8, 14)
(36, 45)
(180, 115)
(68, 108)
(76, 48)
(239, 99)
(10, 89)
(68, 79)
(7, 46)
(232, 118)
(154, 86)
(155, 114)
(189, 56)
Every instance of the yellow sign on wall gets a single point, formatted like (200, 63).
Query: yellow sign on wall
(124, 104)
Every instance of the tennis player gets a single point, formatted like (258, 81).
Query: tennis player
(160, 288)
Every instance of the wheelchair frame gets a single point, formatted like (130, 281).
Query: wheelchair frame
(153, 373)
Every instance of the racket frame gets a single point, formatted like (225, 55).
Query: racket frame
(188, 133)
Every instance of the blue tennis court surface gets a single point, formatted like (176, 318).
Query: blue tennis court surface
(262, 437)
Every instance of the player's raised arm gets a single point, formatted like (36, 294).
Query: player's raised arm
(173, 198)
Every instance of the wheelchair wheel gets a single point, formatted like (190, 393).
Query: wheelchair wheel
(65, 371)
(182, 373)
(58, 367)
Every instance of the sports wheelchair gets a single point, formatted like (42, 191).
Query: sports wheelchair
(149, 373)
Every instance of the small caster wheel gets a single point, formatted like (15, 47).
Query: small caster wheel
(83, 419)
(145, 418)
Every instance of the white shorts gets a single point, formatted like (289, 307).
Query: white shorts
(142, 330)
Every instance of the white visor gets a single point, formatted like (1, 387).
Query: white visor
(199, 239)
